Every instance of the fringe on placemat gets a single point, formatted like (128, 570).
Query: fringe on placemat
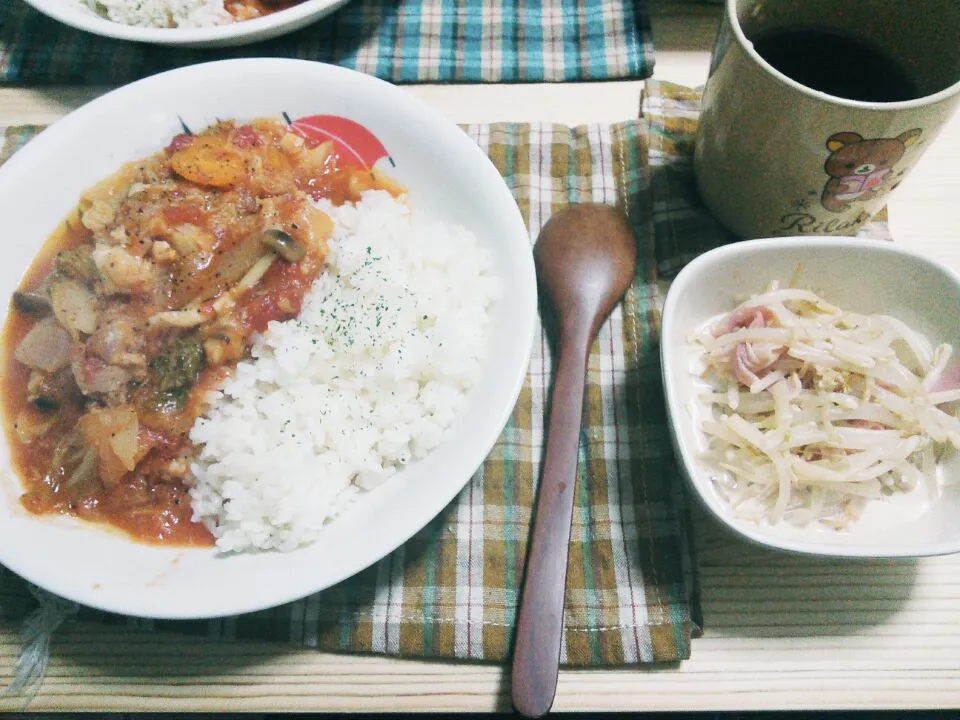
(38, 629)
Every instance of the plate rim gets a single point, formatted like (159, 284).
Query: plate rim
(62, 129)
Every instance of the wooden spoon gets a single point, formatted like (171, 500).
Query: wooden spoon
(586, 257)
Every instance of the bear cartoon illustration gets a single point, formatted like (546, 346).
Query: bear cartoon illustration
(861, 169)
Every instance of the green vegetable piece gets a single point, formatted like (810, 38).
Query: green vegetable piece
(76, 263)
(74, 466)
(176, 369)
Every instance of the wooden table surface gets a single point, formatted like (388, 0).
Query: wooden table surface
(781, 632)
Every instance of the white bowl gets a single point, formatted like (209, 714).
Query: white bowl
(449, 178)
(81, 17)
(857, 275)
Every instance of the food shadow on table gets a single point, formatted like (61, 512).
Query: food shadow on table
(728, 715)
(752, 591)
(747, 590)
(140, 654)
(82, 635)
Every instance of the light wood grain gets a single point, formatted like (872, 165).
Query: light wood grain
(535, 102)
(782, 632)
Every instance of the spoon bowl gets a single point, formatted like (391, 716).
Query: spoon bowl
(585, 257)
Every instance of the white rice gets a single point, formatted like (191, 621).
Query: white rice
(367, 379)
(162, 13)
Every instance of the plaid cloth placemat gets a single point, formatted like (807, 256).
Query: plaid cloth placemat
(452, 590)
(682, 226)
(406, 41)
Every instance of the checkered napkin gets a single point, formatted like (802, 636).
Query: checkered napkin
(683, 228)
(405, 41)
(452, 590)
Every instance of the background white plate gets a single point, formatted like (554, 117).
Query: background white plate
(449, 178)
(279, 23)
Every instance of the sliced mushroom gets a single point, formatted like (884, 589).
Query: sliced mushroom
(49, 391)
(37, 395)
(254, 274)
(31, 303)
(283, 245)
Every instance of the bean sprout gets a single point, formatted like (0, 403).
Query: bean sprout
(813, 411)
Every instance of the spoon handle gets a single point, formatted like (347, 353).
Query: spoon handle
(536, 654)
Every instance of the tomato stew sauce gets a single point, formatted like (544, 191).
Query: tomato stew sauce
(145, 298)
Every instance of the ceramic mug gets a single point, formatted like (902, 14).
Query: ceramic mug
(814, 147)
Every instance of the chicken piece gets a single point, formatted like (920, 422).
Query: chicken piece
(122, 271)
(187, 239)
(98, 205)
(46, 347)
(96, 378)
(99, 216)
(271, 172)
(118, 342)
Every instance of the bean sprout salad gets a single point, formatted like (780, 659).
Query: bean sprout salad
(814, 411)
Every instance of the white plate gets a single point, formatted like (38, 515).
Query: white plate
(78, 16)
(449, 178)
(859, 275)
